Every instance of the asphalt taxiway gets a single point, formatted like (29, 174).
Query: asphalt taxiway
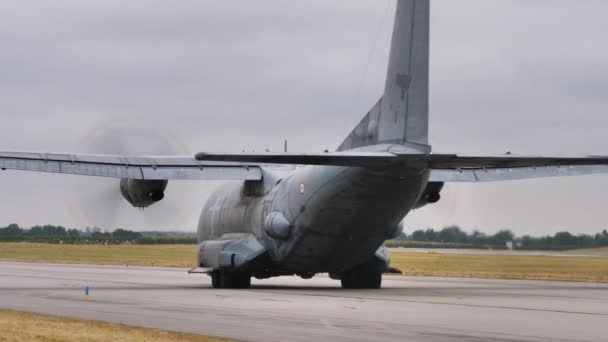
(293, 309)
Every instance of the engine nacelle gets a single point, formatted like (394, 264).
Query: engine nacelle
(430, 195)
(142, 193)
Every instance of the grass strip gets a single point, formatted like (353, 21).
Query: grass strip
(139, 255)
(21, 326)
(588, 269)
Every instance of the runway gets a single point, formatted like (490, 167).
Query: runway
(292, 309)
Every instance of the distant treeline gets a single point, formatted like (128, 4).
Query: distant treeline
(448, 237)
(59, 234)
(455, 236)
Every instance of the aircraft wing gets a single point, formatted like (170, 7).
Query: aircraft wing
(455, 168)
(245, 166)
(362, 159)
(148, 167)
(444, 167)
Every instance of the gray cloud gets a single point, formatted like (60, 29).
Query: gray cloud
(525, 76)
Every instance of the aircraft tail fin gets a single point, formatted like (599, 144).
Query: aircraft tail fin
(401, 115)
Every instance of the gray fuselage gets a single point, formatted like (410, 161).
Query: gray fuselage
(339, 216)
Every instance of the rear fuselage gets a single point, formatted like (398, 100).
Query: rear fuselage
(339, 216)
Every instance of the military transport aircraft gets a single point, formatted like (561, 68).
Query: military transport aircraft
(333, 212)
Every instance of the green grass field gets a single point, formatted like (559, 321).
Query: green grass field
(430, 244)
(17, 326)
(591, 251)
(142, 255)
(592, 269)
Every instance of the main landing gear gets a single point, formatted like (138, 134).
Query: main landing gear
(230, 280)
(361, 279)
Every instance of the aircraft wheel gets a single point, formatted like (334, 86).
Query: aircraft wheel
(230, 280)
(361, 280)
(243, 282)
(215, 280)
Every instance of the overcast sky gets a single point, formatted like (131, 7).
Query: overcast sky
(525, 76)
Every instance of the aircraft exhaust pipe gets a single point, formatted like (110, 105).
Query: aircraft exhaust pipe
(156, 196)
(430, 195)
(433, 197)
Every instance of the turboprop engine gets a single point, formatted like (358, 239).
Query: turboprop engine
(430, 195)
(142, 193)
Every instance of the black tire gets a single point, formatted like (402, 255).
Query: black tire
(230, 280)
(243, 281)
(226, 280)
(361, 280)
(215, 280)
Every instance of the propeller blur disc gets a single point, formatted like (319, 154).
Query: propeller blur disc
(97, 202)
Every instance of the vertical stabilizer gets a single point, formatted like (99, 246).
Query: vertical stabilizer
(404, 114)
(401, 116)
